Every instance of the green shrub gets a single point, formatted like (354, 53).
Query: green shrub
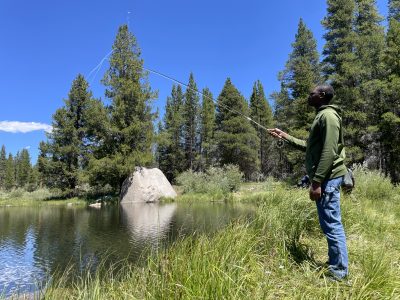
(190, 181)
(213, 181)
(3, 195)
(96, 191)
(17, 193)
(39, 194)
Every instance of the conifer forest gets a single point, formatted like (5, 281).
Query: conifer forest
(94, 146)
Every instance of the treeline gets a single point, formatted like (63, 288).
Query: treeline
(93, 147)
(199, 133)
(361, 60)
(17, 171)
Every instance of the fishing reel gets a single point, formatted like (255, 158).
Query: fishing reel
(280, 143)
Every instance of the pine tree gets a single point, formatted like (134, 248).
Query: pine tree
(343, 69)
(23, 168)
(369, 48)
(390, 127)
(78, 105)
(283, 115)
(370, 39)
(9, 182)
(16, 161)
(130, 136)
(390, 121)
(33, 180)
(301, 74)
(171, 152)
(43, 165)
(237, 139)
(392, 52)
(284, 119)
(394, 10)
(97, 139)
(163, 143)
(62, 151)
(340, 37)
(191, 124)
(175, 125)
(3, 163)
(261, 112)
(207, 142)
(65, 155)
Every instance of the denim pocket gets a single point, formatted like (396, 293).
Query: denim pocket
(329, 204)
(330, 189)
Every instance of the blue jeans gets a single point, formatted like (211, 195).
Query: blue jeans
(328, 207)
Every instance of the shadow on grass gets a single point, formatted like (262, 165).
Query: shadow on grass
(301, 253)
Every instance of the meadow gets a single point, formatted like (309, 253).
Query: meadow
(279, 254)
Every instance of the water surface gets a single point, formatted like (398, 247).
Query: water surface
(35, 242)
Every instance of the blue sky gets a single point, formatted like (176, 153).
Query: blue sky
(45, 44)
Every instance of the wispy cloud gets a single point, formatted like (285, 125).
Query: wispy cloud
(23, 127)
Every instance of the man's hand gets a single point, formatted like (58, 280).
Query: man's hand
(315, 191)
(275, 132)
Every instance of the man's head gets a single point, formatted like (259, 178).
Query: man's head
(320, 95)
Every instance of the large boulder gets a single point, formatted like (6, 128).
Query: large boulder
(146, 185)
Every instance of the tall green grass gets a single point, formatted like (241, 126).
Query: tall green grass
(40, 194)
(372, 185)
(279, 254)
(40, 197)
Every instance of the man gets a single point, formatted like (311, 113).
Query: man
(325, 156)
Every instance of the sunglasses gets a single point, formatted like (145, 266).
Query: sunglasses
(320, 93)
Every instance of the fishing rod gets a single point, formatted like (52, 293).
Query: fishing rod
(279, 142)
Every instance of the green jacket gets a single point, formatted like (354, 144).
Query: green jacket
(324, 147)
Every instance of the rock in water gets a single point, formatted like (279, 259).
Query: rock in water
(146, 185)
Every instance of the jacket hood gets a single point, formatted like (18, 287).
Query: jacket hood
(333, 106)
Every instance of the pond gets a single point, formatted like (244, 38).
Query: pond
(35, 242)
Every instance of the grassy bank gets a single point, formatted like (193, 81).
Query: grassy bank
(40, 197)
(278, 255)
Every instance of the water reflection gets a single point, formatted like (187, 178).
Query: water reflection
(36, 242)
(148, 222)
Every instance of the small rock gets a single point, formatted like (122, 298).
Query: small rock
(95, 205)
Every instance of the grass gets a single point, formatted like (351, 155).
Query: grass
(279, 254)
(39, 197)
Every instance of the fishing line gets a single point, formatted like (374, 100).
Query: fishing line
(98, 67)
(280, 143)
(197, 91)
